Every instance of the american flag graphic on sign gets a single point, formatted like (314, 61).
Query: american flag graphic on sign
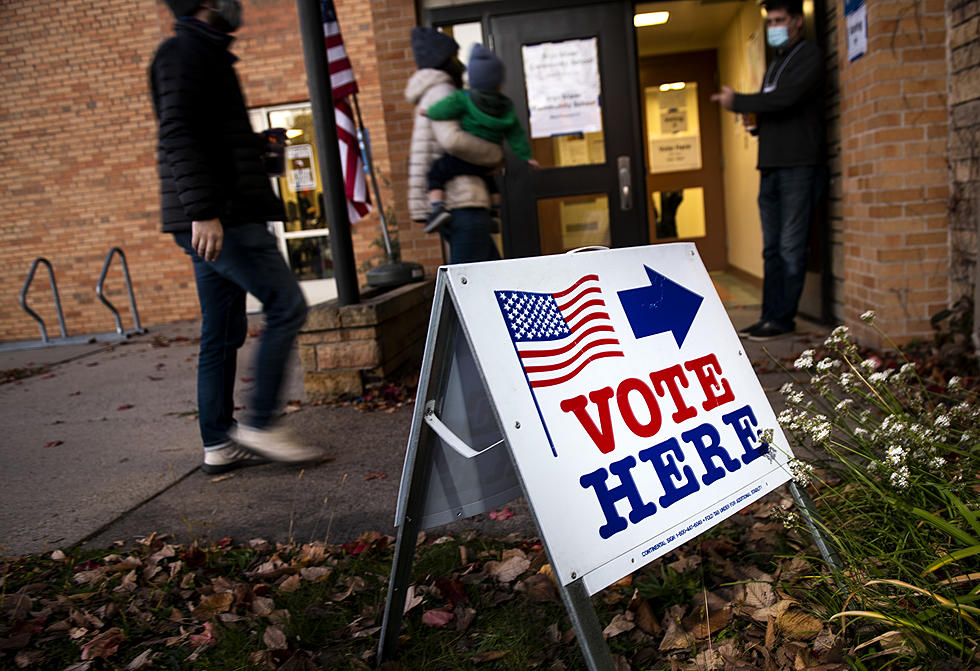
(343, 84)
(557, 335)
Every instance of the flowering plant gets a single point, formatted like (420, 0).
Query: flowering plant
(893, 462)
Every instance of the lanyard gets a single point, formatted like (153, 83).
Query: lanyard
(770, 82)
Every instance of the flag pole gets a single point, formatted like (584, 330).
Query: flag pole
(396, 272)
(331, 171)
(365, 143)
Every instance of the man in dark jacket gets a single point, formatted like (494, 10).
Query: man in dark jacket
(216, 199)
(787, 115)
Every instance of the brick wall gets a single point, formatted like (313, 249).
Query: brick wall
(895, 187)
(77, 140)
(964, 144)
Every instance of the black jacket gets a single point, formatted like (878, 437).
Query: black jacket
(209, 159)
(790, 114)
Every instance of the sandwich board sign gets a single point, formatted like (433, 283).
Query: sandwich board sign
(607, 387)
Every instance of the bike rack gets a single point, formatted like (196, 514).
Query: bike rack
(45, 341)
(57, 300)
(129, 288)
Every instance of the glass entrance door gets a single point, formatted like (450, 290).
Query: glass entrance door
(303, 236)
(570, 73)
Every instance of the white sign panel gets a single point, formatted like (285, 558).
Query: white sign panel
(856, 19)
(300, 173)
(675, 153)
(562, 80)
(631, 410)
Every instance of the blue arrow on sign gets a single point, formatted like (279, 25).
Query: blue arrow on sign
(663, 306)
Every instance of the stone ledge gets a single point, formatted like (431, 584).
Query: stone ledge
(343, 349)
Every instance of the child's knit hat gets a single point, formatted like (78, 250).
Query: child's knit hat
(485, 69)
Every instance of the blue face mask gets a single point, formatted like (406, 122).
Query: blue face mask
(777, 36)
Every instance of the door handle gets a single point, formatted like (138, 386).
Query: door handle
(625, 183)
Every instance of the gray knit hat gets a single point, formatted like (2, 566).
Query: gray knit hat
(485, 69)
(183, 7)
(432, 48)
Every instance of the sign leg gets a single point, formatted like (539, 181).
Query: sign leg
(586, 625)
(809, 511)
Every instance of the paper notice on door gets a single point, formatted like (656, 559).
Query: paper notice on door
(562, 80)
(675, 153)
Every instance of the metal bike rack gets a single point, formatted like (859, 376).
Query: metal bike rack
(57, 300)
(129, 288)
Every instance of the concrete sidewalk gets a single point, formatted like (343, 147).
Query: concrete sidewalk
(103, 446)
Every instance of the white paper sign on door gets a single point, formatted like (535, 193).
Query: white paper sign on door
(562, 81)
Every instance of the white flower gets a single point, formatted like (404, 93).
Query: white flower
(805, 360)
(827, 364)
(907, 368)
(839, 336)
(954, 382)
(942, 421)
(868, 316)
(895, 455)
(846, 379)
(844, 405)
(860, 431)
(871, 365)
(881, 376)
(900, 477)
(937, 462)
(802, 471)
(820, 431)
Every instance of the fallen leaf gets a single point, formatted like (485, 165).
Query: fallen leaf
(125, 406)
(274, 639)
(797, 625)
(207, 637)
(54, 443)
(213, 604)
(623, 622)
(290, 584)
(103, 645)
(676, 638)
(489, 656)
(437, 618)
(508, 570)
(314, 573)
(464, 617)
(376, 476)
(540, 588)
(27, 659)
(411, 599)
(142, 660)
(502, 514)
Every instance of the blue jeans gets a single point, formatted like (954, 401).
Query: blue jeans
(249, 262)
(786, 208)
(468, 235)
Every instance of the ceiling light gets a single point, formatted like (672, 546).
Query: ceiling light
(675, 86)
(294, 132)
(650, 19)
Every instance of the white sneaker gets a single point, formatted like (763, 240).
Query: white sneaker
(274, 443)
(229, 457)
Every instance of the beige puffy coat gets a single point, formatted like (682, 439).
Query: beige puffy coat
(431, 139)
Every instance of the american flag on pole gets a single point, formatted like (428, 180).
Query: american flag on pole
(557, 335)
(343, 84)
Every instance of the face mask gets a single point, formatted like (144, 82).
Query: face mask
(229, 14)
(777, 36)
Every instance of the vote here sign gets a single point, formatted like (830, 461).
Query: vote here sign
(633, 415)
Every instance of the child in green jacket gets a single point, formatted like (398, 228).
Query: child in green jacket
(483, 111)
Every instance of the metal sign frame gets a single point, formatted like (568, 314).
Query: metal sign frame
(446, 478)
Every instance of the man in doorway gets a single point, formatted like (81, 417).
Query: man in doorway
(787, 116)
(215, 200)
